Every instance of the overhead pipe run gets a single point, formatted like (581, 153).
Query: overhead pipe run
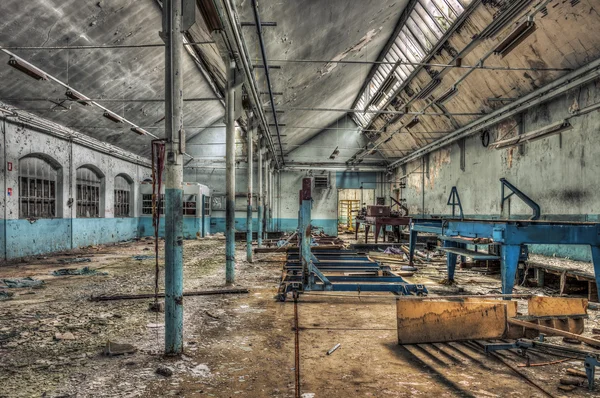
(267, 75)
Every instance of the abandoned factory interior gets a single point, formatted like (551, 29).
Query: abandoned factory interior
(299, 199)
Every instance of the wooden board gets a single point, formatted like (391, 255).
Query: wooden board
(556, 306)
(441, 321)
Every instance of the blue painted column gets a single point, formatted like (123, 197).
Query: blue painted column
(259, 191)
(266, 196)
(450, 260)
(250, 175)
(412, 243)
(508, 267)
(173, 178)
(596, 262)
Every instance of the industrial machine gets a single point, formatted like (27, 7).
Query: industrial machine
(308, 269)
(380, 217)
(196, 210)
(457, 233)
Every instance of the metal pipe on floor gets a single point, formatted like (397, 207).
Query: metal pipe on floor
(173, 179)
(259, 191)
(250, 175)
(230, 176)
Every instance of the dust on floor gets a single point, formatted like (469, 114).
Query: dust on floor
(235, 345)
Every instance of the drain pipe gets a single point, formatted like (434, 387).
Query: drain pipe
(250, 175)
(268, 77)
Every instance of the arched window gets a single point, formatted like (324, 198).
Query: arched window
(122, 197)
(88, 193)
(38, 181)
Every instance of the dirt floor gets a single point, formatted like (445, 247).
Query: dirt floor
(239, 345)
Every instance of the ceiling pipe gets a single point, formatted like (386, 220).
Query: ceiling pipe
(267, 75)
(229, 16)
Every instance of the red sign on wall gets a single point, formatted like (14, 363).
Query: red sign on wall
(9, 166)
(9, 192)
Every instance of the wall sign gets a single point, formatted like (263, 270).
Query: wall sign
(9, 192)
(9, 166)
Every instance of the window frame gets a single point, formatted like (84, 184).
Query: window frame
(46, 205)
(94, 192)
(123, 195)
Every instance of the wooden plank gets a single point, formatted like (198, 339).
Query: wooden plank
(558, 332)
(556, 306)
(441, 321)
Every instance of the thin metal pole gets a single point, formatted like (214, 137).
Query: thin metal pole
(230, 176)
(173, 179)
(105, 46)
(266, 195)
(250, 175)
(272, 192)
(259, 191)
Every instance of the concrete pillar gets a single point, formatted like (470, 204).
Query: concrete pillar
(173, 179)
(259, 190)
(266, 194)
(250, 175)
(230, 176)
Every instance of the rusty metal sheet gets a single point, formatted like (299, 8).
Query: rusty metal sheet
(440, 321)
(556, 306)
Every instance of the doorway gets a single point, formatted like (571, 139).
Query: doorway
(350, 201)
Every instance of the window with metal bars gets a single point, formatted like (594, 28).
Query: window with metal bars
(38, 181)
(207, 205)
(88, 193)
(189, 205)
(147, 204)
(122, 206)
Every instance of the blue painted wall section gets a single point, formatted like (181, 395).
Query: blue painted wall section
(25, 238)
(192, 227)
(97, 231)
(290, 225)
(353, 180)
(217, 224)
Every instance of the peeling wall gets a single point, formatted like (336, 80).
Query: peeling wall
(560, 172)
(22, 237)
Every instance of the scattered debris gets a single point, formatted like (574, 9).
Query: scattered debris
(211, 315)
(23, 282)
(164, 371)
(6, 295)
(64, 336)
(571, 341)
(74, 260)
(80, 271)
(141, 257)
(393, 250)
(595, 330)
(158, 306)
(112, 349)
(571, 381)
(335, 347)
(576, 372)
(566, 388)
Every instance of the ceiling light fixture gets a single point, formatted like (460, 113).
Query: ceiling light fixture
(113, 116)
(514, 38)
(334, 154)
(413, 122)
(27, 68)
(139, 131)
(451, 92)
(428, 89)
(77, 96)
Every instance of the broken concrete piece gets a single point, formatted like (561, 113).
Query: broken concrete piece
(113, 349)
(164, 371)
(64, 336)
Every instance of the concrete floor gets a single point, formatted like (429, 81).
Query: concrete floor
(235, 345)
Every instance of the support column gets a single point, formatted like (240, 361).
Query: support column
(230, 176)
(272, 196)
(508, 266)
(450, 260)
(250, 175)
(173, 179)
(596, 262)
(259, 190)
(266, 195)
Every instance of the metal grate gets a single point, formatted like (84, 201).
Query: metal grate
(37, 188)
(322, 181)
(88, 193)
(122, 205)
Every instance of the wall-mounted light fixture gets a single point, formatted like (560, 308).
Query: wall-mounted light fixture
(553, 128)
(138, 130)
(413, 122)
(27, 68)
(428, 89)
(334, 154)
(451, 92)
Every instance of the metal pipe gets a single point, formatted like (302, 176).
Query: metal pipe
(272, 198)
(266, 195)
(381, 111)
(435, 65)
(259, 191)
(34, 99)
(232, 19)
(252, 126)
(109, 46)
(267, 75)
(230, 176)
(173, 179)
